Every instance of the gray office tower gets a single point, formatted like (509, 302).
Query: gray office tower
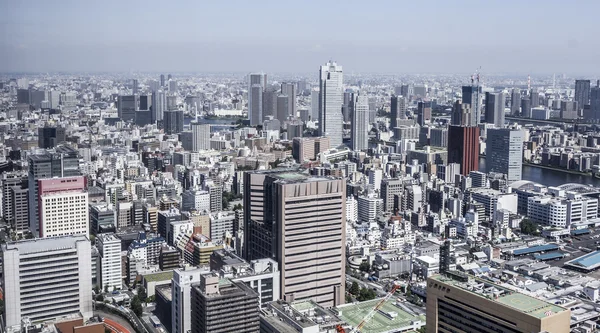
(406, 91)
(256, 87)
(289, 89)
(525, 107)
(300, 221)
(173, 122)
(582, 93)
(223, 306)
(135, 87)
(162, 80)
(282, 108)
(504, 151)
(63, 161)
(398, 109)
(126, 107)
(159, 104)
(534, 96)
(515, 102)
(472, 95)
(494, 109)
(360, 122)
(200, 136)
(595, 100)
(330, 103)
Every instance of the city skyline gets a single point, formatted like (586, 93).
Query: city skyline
(392, 37)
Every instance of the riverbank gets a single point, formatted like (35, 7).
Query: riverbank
(572, 172)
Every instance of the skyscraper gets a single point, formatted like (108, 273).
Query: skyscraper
(63, 205)
(582, 93)
(595, 100)
(159, 105)
(398, 109)
(135, 87)
(173, 122)
(515, 102)
(63, 161)
(494, 109)
(256, 88)
(50, 137)
(526, 107)
(162, 80)
(47, 279)
(423, 113)
(289, 89)
(299, 221)
(360, 122)
(10, 180)
(126, 107)
(330, 103)
(504, 151)
(472, 95)
(463, 147)
(282, 108)
(314, 104)
(109, 248)
(534, 96)
(200, 136)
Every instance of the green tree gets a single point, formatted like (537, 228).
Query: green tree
(348, 298)
(364, 267)
(354, 289)
(238, 207)
(136, 306)
(529, 227)
(142, 293)
(366, 294)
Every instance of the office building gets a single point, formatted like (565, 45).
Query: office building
(19, 208)
(494, 109)
(135, 86)
(471, 95)
(595, 101)
(173, 122)
(285, 208)
(46, 279)
(200, 136)
(423, 113)
(269, 105)
(63, 205)
(109, 251)
(314, 104)
(102, 218)
(221, 305)
(330, 103)
(9, 180)
(398, 110)
(282, 108)
(438, 137)
(504, 152)
(525, 107)
(515, 102)
(50, 137)
(126, 107)
(159, 105)
(461, 303)
(63, 161)
(196, 199)
(360, 123)
(389, 189)
(289, 90)
(256, 88)
(181, 294)
(582, 93)
(307, 149)
(464, 147)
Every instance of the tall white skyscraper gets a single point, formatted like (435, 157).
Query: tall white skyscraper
(289, 89)
(159, 105)
(200, 136)
(256, 87)
(330, 103)
(494, 108)
(314, 104)
(360, 122)
(47, 278)
(504, 150)
(109, 247)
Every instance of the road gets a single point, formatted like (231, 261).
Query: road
(115, 318)
(368, 285)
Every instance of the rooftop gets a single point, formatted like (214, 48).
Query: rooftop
(588, 261)
(37, 245)
(496, 293)
(159, 276)
(353, 314)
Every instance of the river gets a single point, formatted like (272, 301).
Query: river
(549, 177)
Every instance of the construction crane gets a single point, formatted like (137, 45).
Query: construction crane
(371, 313)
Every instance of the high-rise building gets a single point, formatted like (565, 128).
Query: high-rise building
(19, 208)
(221, 305)
(63, 205)
(256, 87)
(181, 295)
(515, 102)
(63, 161)
(109, 250)
(463, 148)
(173, 122)
(360, 122)
(461, 303)
(438, 137)
(595, 100)
(461, 114)
(504, 152)
(289, 90)
(472, 95)
(10, 179)
(200, 136)
(389, 189)
(525, 107)
(50, 137)
(269, 105)
(284, 210)
(423, 113)
(398, 109)
(330, 103)
(162, 80)
(282, 108)
(135, 86)
(307, 149)
(534, 96)
(159, 105)
(314, 104)
(126, 107)
(494, 109)
(582, 93)
(45, 279)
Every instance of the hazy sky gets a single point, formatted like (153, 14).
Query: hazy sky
(449, 36)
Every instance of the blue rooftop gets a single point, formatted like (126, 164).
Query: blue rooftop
(588, 261)
(535, 249)
(580, 232)
(549, 256)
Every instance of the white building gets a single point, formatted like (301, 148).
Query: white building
(200, 136)
(493, 200)
(563, 210)
(330, 103)
(351, 209)
(369, 207)
(221, 224)
(47, 278)
(64, 213)
(195, 199)
(360, 123)
(109, 249)
(375, 178)
(181, 295)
